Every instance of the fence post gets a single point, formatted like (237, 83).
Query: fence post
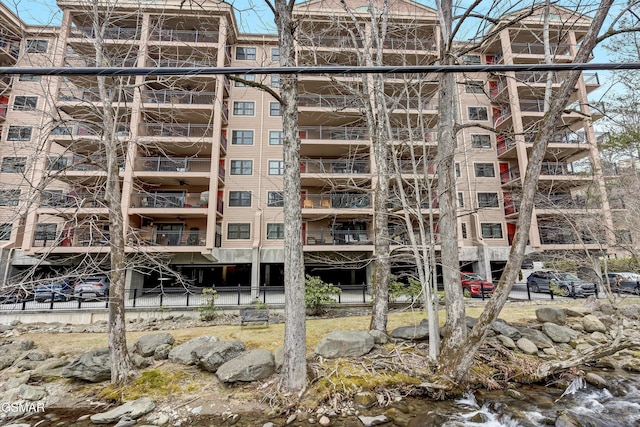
(482, 290)
(161, 297)
(188, 294)
(135, 296)
(550, 290)
(528, 291)
(52, 299)
(80, 301)
(264, 295)
(364, 293)
(239, 294)
(24, 304)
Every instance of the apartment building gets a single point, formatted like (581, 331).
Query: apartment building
(201, 156)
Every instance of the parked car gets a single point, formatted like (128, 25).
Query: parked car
(94, 286)
(61, 290)
(623, 282)
(526, 265)
(564, 284)
(14, 294)
(474, 285)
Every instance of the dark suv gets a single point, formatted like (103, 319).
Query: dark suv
(564, 284)
(623, 282)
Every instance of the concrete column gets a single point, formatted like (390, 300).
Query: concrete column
(255, 273)
(484, 262)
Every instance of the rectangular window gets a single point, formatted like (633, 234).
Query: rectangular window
(276, 167)
(274, 109)
(275, 199)
(46, 231)
(460, 200)
(29, 78)
(484, 170)
(488, 200)
(471, 59)
(37, 46)
(474, 86)
(14, 164)
(243, 108)
(239, 198)
(275, 80)
(25, 103)
(247, 77)
(241, 167)
(19, 133)
(5, 231)
(275, 54)
(246, 53)
(57, 163)
(480, 141)
(276, 137)
(275, 231)
(238, 231)
(9, 197)
(242, 137)
(478, 113)
(463, 228)
(491, 231)
(457, 166)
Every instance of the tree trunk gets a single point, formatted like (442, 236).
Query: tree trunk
(457, 363)
(455, 325)
(294, 369)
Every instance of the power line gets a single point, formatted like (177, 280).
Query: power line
(333, 69)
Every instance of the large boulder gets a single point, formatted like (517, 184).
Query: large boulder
(345, 344)
(147, 344)
(551, 314)
(503, 328)
(558, 333)
(93, 366)
(527, 346)
(183, 352)
(211, 356)
(50, 368)
(250, 366)
(134, 409)
(31, 392)
(536, 337)
(414, 333)
(592, 324)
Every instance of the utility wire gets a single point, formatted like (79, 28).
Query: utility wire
(321, 69)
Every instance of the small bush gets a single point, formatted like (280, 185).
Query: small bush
(398, 289)
(318, 294)
(208, 309)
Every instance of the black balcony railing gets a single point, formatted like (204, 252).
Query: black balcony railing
(175, 97)
(188, 36)
(336, 201)
(172, 164)
(334, 166)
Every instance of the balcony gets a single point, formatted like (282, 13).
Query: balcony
(537, 106)
(172, 164)
(408, 44)
(557, 49)
(80, 60)
(155, 237)
(72, 199)
(338, 237)
(559, 138)
(176, 97)
(336, 201)
(509, 175)
(87, 129)
(501, 115)
(180, 63)
(353, 133)
(344, 42)
(565, 169)
(169, 200)
(80, 163)
(329, 101)
(504, 144)
(183, 36)
(323, 166)
(93, 95)
(110, 33)
(176, 130)
(10, 47)
(407, 166)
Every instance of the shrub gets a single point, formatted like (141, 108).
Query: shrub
(318, 294)
(208, 309)
(398, 289)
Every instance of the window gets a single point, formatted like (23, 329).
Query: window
(276, 167)
(474, 86)
(463, 229)
(239, 198)
(241, 167)
(247, 77)
(478, 113)
(275, 198)
(275, 54)
(29, 78)
(19, 133)
(5, 231)
(242, 137)
(246, 53)
(460, 200)
(491, 231)
(484, 170)
(9, 197)
(457, 166)
(276, 137)
(471, 59)
(25, 103)
(46, 232)
(14, 164)
(37, 46)
(480, 141)
(275, 80)
(274, 109)
(238, 231)
(488, 200)
(275, 231)
(57, 163)
(243, 108)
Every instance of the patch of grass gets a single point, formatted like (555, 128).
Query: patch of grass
(153, 383)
